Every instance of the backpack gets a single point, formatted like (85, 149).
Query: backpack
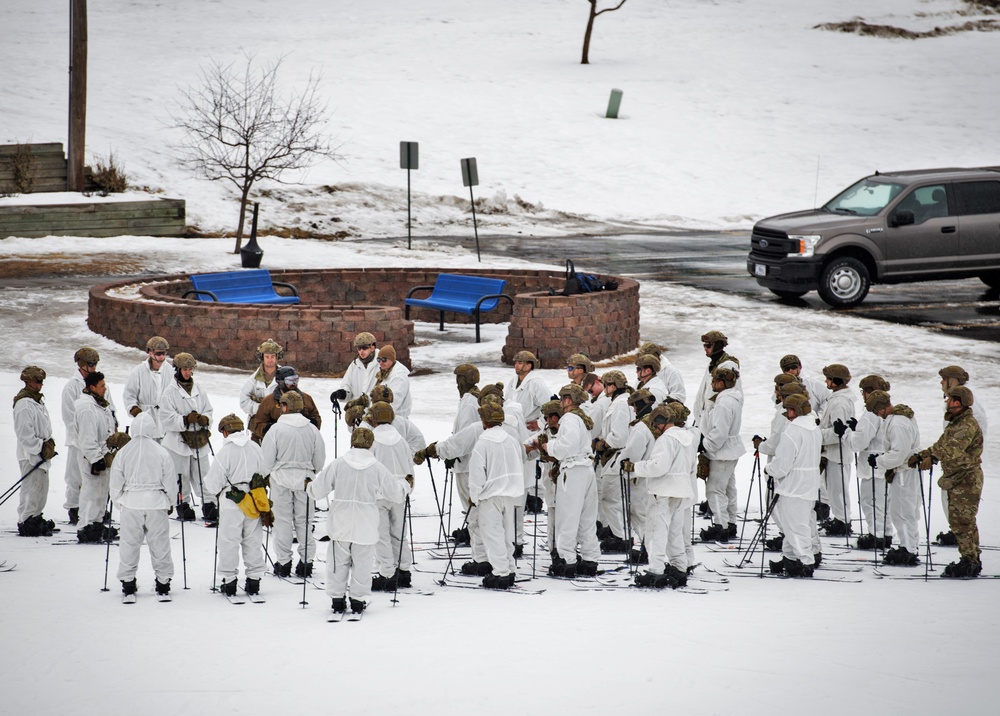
(579, 282)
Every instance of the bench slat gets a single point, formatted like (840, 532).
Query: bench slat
(461, 294)
(253, 286)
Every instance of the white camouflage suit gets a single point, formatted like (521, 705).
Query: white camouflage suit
(723, 447)
(839, 406)
(393, 542)
(639, 446)
(577, 490)
(234, 466)
(496, 479)
(254, 390)
(529, 395)
(190, 463)
(358, 482)
(143, 390)
(32, 427)
(901, 440)
(795, 469)
(94, 424)
(293, 450)
(359, 379)
(73, 478)
(398, 381)
(614, 432)
(867, 439)
(143, 488)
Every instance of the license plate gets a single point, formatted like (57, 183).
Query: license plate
(759, 270)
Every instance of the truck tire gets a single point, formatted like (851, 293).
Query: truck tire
(787, 295)
(991, 279)
(844, 282)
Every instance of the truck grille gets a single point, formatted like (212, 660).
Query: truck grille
(770, 243)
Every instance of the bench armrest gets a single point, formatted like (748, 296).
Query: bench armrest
(418, 288)
(495, 295)
(204, 293)
(295, 291)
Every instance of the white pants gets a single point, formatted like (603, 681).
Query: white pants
(639, 505)
(236, 531)
(838, 490)
(393, 540)
(73, 478)
(720, 491)
(154, 527)
(496, 526)
(905, 510)
(688, 519)
(798, 520)
(290, 507)
(93, 494)
(665, 533)
(34, 490)
(187, 466)
(577, 523)
(349, 563)
(611, 510)
(874, 509)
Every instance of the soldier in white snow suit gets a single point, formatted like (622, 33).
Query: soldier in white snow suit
(722, 448)
(714, 343)
(901, 439)
(816, 389)
(496, 479)
(548, 468)
(837, 414)
(392, 552)
(261, 384)
(638, 447)
(293, 450)
(358, 482)
(185, 416)
(86, 360)
(236, 471)
(577, 488)
(35, 450)
(865, 437)
(144, 489)
(662, 373)
(597, 404)
(795, 469)
(613, 436)
(404, 426)
(359, 379)
(147, 380)
(667, 473)
(98, 437)
(396, 376)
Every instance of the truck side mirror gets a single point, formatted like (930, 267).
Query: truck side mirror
(903, 217)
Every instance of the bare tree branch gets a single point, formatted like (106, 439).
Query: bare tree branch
(594, 12)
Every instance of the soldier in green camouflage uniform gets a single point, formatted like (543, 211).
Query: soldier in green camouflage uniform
(959, 450)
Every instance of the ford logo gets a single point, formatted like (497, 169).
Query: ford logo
(763, 243)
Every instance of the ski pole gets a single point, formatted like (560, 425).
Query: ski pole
(843, 493)
(409, 515)
(534, 546)
(180, 501)
(336, 419)
(874, 514)
(201, 484)
(9, 492)
(440, 507)
(450, 489)
(215, 554)
(930, 502)
(107, 552)
(452, 549)
(746, 510)
(305, 554)
(399, 559)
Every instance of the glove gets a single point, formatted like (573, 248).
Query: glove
(822, 464)
(598, 445)
(946, 483)
(48, 449)
(628, 466)
(267, 519)
(702, 469)
(339, 394)
(117, 440)
(852, 423)
(409, 480)
(757, 440)
(431, 450)
(542, 439)
(890, 475)
(839, 428)
(135, 410)
(170, 510)
(872, 460)
(203, 420)
(191, 418)
(913, 460)
(449, 463)
(419, 456)
(354, 415)
(927, 462)
(96, 468)
(361, 401)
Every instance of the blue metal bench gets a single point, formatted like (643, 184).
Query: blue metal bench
(471, 295)
(253, 286)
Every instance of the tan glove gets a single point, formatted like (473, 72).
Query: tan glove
(203, 420)
(927, 462)
(409, 480)
(267, 519)
(627, 466)
(418, 457)
(703, 467)
(191, 418)
(890, 475)
(431, 450)
(135, 410)
(48, 449)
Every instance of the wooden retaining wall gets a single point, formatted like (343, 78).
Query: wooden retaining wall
(104, 217)
(49, 166)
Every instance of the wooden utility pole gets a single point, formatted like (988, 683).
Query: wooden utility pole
(77, 142)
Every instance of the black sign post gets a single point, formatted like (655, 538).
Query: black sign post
(409, 158)
(470, 178)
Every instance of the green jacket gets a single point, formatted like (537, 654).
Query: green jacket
(960, 447)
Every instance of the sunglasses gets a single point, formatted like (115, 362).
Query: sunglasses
(707, 345)
(92, 365)
(158, 354)
(383, 360)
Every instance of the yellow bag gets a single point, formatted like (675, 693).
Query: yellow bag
(244, 501)
(258, 489)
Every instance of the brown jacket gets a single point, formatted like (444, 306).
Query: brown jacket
(269, 411)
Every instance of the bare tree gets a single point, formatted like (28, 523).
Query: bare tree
(240, 129)
(594, 12)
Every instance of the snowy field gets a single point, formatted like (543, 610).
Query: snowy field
(732, 111)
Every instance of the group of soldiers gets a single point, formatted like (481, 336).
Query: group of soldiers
(615, 463)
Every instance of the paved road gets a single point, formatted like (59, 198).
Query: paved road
(717, 261)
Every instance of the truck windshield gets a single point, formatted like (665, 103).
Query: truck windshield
(866, 198)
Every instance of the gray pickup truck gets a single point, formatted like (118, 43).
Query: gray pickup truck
(887, 228)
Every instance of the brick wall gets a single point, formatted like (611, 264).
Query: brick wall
(338, 304)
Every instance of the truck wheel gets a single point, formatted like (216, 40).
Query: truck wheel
(787, 294)
(991, 279)
(844, 282)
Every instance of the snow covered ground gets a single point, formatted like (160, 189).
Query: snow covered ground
(729, 108)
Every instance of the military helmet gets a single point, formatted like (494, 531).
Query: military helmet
(793, 388)
(648, 360)
(680, 412)
(491, 414)
(364, 339)
(615, 378)
(727, 376)
(877, 400)
(574, 392)
(491, 399)
(650, 349)
(382, 413)
(293, 399)
(185, 360)
(551, 407)
(362, 438)
(955, 371)
(874, 382)
(581, 359)
(269, 346)
(33, 373)
(491, 389)
(157, 343)
(783, 379)
(789, 361)
(838, 371)
(86, 356)
(231, 424)
(286, 377)
(662, 414)
(641, 396)
(715, 337)
(962, 394)
(797, 402)
(381, 392)
(526, 357)
(468, 373)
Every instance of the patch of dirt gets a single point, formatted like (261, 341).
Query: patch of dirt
(284, 232)
(860, 27)
(49, 265)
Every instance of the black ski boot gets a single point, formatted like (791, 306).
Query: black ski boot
(109, 533)
(777, 566)
(403, 578)
(533, 505)
(461, 536)
(947, 539)
(715, 533)
(163, 588)
(964, 568)
(339, 605)
(678, 577)
(304, 569)
(184, 512)
(817, 559)
(651, 580)
(252, 586)
(518, 551)
(615, 545)
(74, 515)
(129, 587)
(561, 568)
(493, 581)
(477, 569)
(90, 534)
(283, 569)
(775, 544)
(604, 532)
(704, 510)
(638, 556)
(837, 528)
(228, 589)
(795, 568)
(210, 511)
(357, 606)
(901, 557)
(586, 568)
(733, 531)
(822, 511)
(34, 526)
(866, 542)
(383, 584)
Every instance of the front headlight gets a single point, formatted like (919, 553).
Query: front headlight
(807, 243)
